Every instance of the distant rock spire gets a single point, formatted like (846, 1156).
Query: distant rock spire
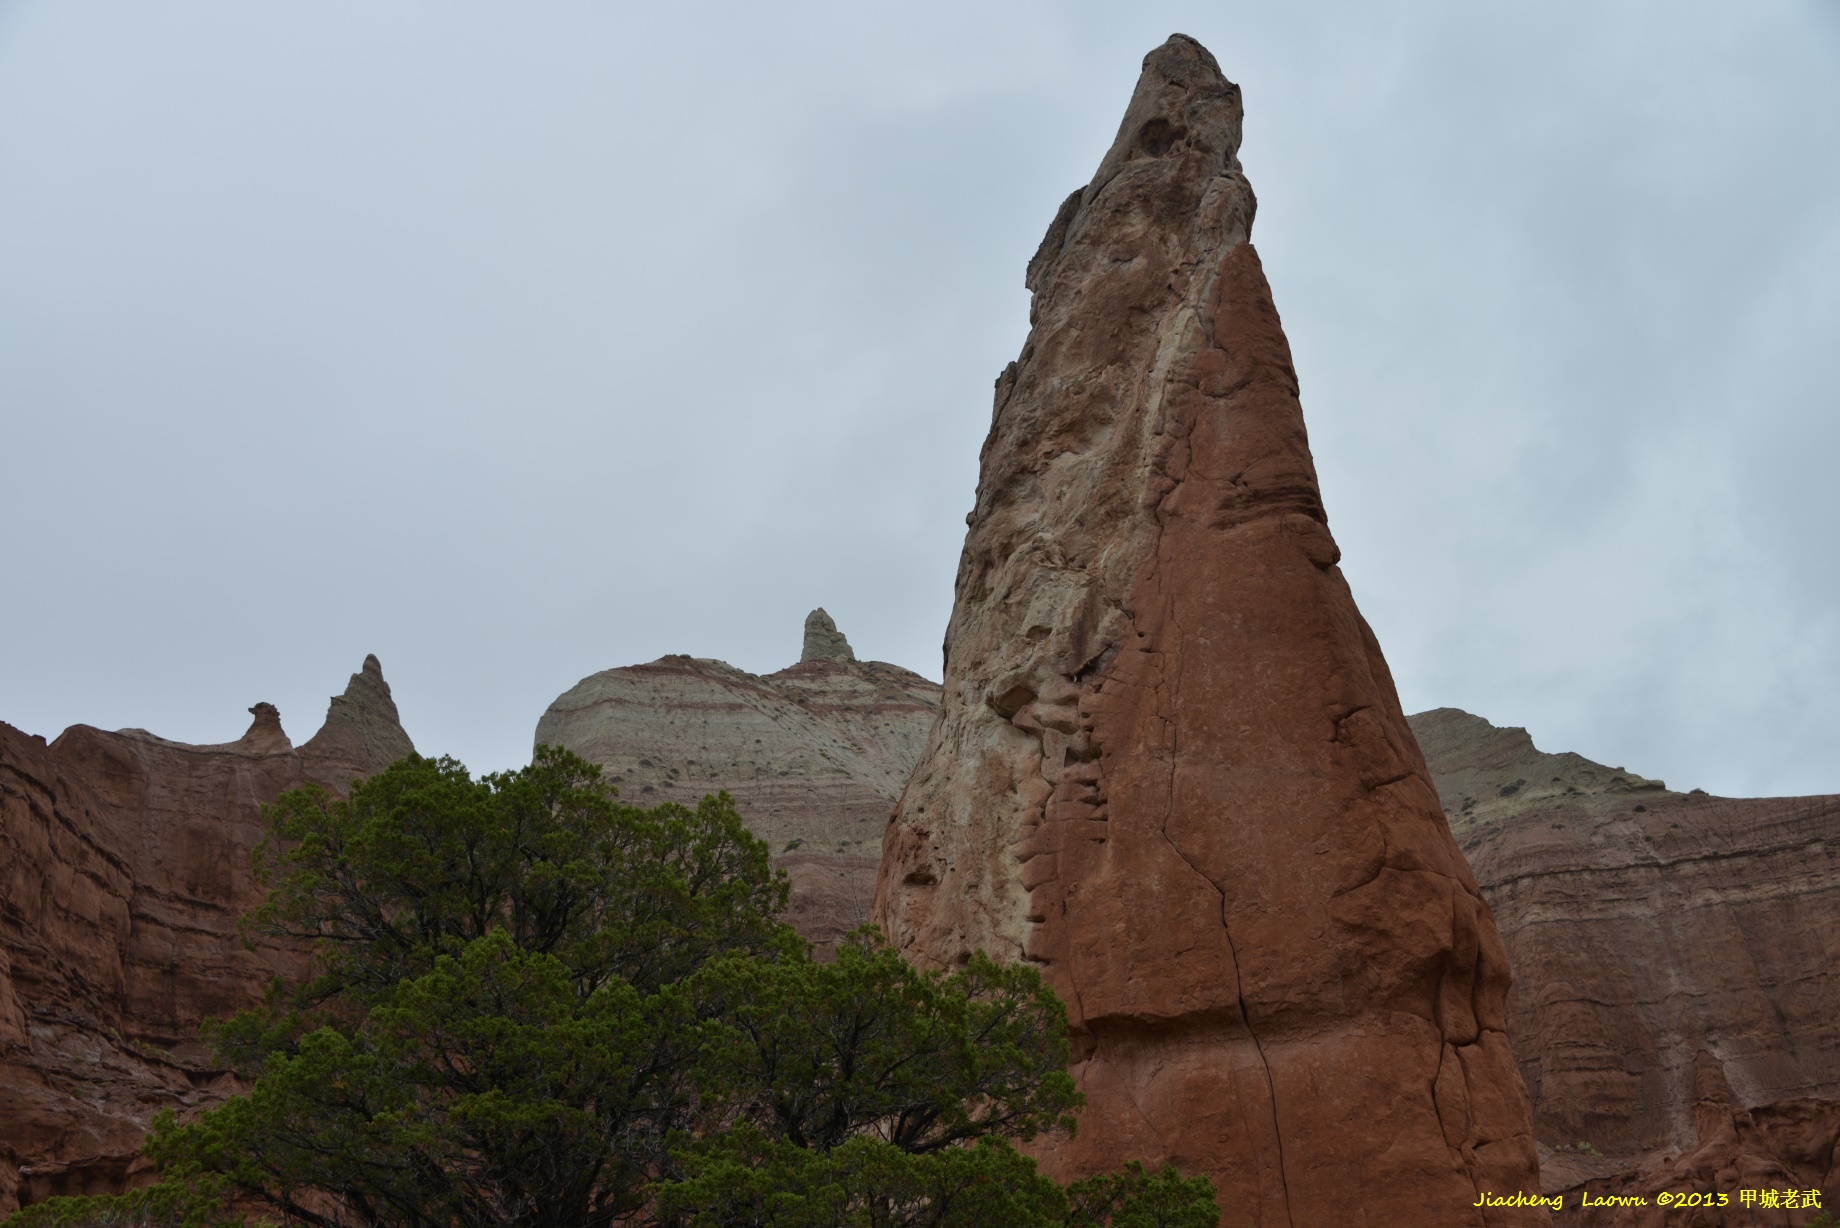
(823, 642)
(363, 732)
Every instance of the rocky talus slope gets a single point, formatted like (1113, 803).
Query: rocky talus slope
(124, 864)
(1171, 769)
(1676, 998)
(814, 755)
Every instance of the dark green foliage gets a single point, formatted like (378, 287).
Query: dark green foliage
(197, 1201)
(820, 1053)
(423, 860)
(750, 1179)
(1136, 1199)
(532, 1004)
(487, 1091)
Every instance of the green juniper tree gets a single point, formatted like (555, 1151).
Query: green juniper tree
(531, 1004)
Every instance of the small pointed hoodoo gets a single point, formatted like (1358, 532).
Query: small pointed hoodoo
(363, 732)
(265, 735)
(823, 642)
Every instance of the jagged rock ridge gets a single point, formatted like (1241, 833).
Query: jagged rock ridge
(814, 755)
(1486, 774)
(1676, 1008)
(1170, 767)
(124, 865)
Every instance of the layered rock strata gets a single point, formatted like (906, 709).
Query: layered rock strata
(1171, 769)
(124, 865)
(814, 755)
(1676, 998)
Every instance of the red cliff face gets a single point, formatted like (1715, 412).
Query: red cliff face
(124, 865)
(1676, 1000)
(1171, 769)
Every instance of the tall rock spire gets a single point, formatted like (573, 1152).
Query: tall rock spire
(1171, 768)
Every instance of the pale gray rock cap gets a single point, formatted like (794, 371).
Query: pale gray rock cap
(823, 642)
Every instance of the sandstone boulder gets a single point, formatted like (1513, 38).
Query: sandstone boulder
(1676, 998)
(1171, 769)
(124, 865)
(814, 756)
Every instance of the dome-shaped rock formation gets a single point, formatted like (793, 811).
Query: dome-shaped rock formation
(1171, 768)
(813, 755)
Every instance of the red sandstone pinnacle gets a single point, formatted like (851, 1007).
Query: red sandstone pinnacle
(1171, 768)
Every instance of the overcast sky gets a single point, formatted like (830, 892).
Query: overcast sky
(512, 342)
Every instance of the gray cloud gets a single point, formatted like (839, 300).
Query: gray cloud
(513, 344)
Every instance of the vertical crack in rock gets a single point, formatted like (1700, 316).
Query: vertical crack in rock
(1226, 931)
(1170, 768)
(1165, 358)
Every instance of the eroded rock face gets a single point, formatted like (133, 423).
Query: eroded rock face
(1170, 768)
(814, 756)
(1676, 999)
(124, 865)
